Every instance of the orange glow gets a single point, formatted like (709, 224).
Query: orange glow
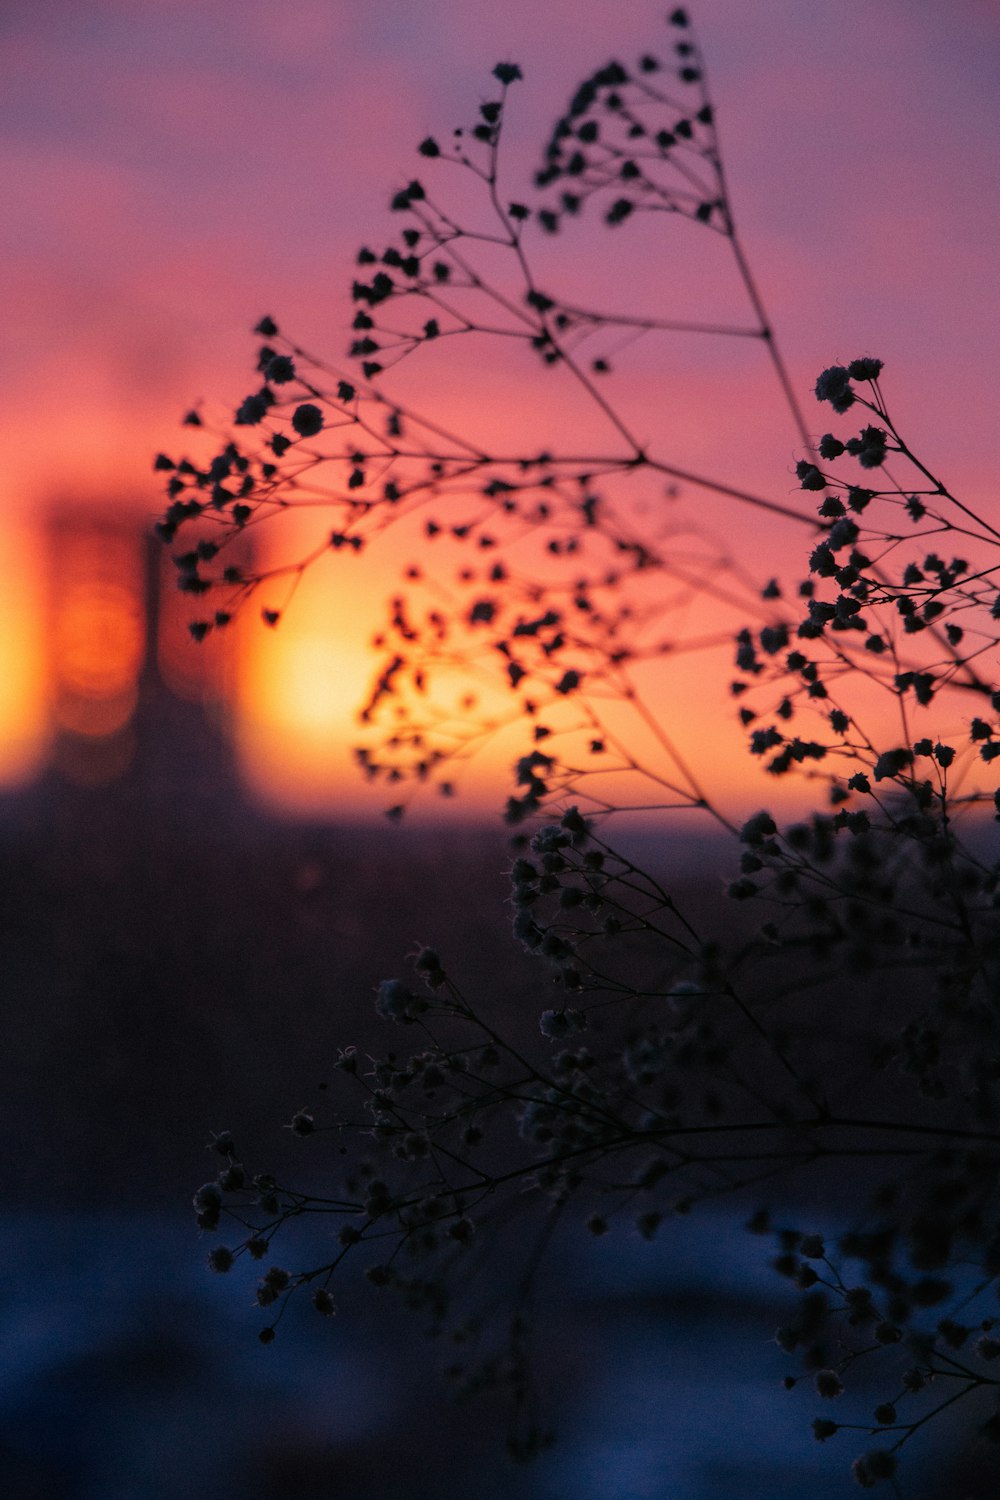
(298, 685)
(23, 710)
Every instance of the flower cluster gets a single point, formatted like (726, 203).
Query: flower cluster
(672, 1056)
(643, 137)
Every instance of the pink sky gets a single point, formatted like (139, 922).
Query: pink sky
(173, 170)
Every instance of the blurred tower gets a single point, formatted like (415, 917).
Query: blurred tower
(97, 631)
(139, 708)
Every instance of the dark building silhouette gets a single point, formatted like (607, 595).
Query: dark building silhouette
(139, 711)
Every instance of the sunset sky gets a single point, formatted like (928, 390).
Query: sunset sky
(173, 170)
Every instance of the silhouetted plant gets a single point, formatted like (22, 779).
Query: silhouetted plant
(673, 1064)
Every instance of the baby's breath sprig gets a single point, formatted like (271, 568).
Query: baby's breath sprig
(837, 1015)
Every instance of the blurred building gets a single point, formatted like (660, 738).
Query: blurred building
(103, 684)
